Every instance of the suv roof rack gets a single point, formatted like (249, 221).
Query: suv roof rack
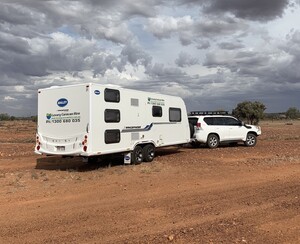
(208, 113)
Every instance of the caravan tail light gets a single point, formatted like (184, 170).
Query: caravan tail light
(84, 143)
(38, 143)
(198, 125)
(85, 140)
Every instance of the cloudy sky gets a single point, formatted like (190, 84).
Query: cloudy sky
(212, 53)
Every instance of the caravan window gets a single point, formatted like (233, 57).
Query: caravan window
(112, 136)
(157, 111)
(112, 115)
(111, 95)
(174, 114)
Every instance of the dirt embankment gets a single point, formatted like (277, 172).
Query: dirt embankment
(227, 195)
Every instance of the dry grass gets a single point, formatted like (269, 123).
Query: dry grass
(18, 131)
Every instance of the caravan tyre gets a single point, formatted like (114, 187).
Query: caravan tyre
(148, 153)
(137, 155)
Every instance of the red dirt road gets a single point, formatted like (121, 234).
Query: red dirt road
(226, 195)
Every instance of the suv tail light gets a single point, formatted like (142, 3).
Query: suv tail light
(198, 125)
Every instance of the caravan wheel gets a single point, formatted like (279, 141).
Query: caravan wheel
(137, 155)
(148, 153)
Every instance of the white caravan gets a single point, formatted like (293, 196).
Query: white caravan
(91, 120)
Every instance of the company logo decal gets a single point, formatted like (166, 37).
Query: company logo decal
(97, 92)
(48, 116)
(156, 101)
(62, 102)
(57, 118)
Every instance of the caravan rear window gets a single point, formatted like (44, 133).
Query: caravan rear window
(112, 115)
(174, 114)
(111, 95)
(112, 136)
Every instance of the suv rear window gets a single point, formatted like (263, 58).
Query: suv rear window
(214, 120)
(209, 120)
(220, 121)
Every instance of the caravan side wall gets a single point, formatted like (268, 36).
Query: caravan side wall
(134, 117)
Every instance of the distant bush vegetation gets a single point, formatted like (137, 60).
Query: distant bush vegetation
(7, 117)
(291, 113)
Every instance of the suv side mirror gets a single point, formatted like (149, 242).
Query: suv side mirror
(241, 123)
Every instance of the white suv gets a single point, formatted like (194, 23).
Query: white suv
(213, 128)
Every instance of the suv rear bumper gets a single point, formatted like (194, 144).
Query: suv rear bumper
(199, 138)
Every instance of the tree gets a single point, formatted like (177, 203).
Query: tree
(34, 118)
(292, 113)
(4, 117)
(250, 111)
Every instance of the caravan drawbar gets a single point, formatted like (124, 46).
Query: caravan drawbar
(91, 120)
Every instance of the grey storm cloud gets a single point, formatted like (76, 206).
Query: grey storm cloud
(289, 68)
(13, 44)
(194, 30)
(58, 52)
(242, 62)
(186, 60)
(160, 71)
(197, 49)
(203, 44)
(254, 10)
(40, 17)
(135, 55)
(231, 45)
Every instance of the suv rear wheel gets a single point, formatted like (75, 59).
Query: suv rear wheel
(213, 141)
(250, 140)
